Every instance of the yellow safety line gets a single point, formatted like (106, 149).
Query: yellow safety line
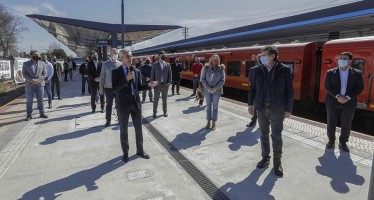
(11, 102)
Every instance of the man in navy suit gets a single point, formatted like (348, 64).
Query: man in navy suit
(343, 84)
(126, 84)
(94, 69)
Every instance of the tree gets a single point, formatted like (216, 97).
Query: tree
(59, 53)
(53, 46)
(10, 28)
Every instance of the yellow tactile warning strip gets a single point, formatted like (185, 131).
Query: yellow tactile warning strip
(12, 113)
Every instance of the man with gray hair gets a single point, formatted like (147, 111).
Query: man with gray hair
(105, 84)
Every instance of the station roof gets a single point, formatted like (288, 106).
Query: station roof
(354, 16)
(81, 35)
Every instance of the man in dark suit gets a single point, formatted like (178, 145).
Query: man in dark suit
(343, 84)
(161, 72)
(83, 70)
(94, 69)
(176, 68)
(126, 86)
(146, 78)
(56, 78)
(271, 95)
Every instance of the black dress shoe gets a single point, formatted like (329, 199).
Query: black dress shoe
(125, 158)
(192, 95)
(93, 111)
(154, 115)
(59, 98)
(28, 117)
(343, 146)
(108, 123)
(49, 106)
(263, 163)
(151, 100)
(252, 123)
(330, 145)
(278, 170)
(143, 155)
(166, 114)
(43, 116)
(102, 111)
(178, 93)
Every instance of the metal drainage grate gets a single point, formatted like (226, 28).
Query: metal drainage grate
(195, 173)
(137, 175)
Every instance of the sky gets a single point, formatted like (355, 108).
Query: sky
(200, 16)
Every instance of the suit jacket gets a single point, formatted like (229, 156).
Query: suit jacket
(29, 74)
(282, 91)
(122, 88)
(176, 69)
(355, 85)
(156, 73)
(93, 72)
(216, 82)
(58, 70)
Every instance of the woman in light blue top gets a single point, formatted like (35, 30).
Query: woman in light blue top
(213, 79)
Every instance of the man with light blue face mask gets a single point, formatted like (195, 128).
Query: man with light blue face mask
(271, 96)
(343, 84)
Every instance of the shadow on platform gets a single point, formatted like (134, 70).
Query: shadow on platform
(63, 118)
(248, 137)
(193, 109)
(73, 135)
(340, 170)
(85, 178)
(187, 140)
(249, 189)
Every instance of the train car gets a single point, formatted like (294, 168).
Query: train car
(363, 58)
(300, 57)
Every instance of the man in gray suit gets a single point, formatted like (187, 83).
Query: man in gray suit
(34, 72)
(161, 72)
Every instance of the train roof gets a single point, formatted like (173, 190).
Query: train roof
(226, 50)
(351, 40)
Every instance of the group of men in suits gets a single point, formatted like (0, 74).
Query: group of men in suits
(271, 97)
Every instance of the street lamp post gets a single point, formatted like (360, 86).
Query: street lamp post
(123, 25)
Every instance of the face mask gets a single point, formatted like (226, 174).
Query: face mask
(147, 62)
(114, 56)
(162, 57)
(94, 58)
(264, 60)
(342, 63)
(35, 57)
(54, 60)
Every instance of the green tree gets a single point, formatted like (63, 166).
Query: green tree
(59, 53)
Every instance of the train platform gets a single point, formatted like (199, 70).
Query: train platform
(71, 155)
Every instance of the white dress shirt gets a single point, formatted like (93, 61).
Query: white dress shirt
(343, 80)
(162, 69)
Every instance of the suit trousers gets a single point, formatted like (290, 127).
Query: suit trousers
(56, 83)
(345, 115)
(195, 84)
(94, 91)
(123, 118)
(84, 81)
(175, 83)
(144, 93)
(109, 95)
(268, 118)
(163, 89)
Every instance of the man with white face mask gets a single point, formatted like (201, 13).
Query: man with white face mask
(105, 84)
(343, 84)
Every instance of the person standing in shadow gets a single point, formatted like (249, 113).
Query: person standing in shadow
(126, 86)
(83, 70)
(56, 78)
(94, 69)
(343, 84)
(146, 78)
(251, 74)
(161, 72)
(176, 68)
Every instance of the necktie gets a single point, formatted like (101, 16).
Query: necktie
(131, 82)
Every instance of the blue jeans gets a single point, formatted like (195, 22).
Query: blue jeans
(48, 90)
(212, 101)
(84, 81)
(195, 83)
(267, 118)
(30, 92)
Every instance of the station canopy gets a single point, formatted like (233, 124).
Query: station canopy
(81, 36)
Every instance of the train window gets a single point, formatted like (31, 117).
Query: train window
(248, 66)
(291, 65)
(185, 66)
(358, 63)
(233, 68)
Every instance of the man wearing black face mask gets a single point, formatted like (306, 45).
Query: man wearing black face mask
(176, 68)
(83, 70)
(34, 72)
(94, 69)
(161, 72)
(146, 74)
(56, 78)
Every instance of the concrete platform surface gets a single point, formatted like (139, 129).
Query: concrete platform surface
(71, 155)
